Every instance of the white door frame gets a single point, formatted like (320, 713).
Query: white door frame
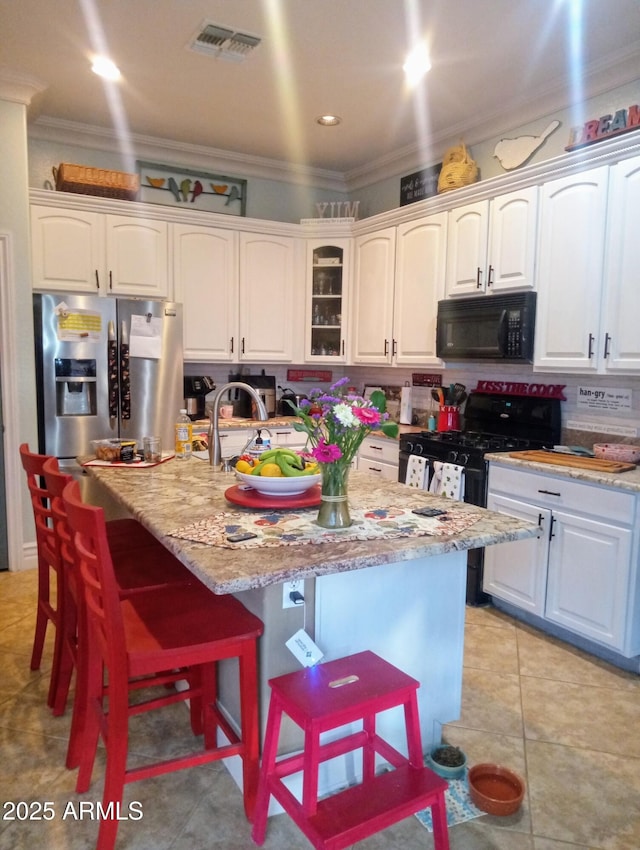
(10, 404)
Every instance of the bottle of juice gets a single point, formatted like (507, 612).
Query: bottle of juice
(184, 436)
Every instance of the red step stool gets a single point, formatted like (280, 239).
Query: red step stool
(326, 697)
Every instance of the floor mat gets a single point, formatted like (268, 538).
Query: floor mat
(459, 805)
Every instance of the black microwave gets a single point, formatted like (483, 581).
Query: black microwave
(491, 327)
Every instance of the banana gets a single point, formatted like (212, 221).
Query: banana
(272, 453)
(288, 469)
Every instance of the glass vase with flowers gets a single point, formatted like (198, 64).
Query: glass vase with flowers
(336, 422)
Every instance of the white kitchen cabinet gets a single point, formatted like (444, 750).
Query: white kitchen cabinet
(205, 280)
(372, 302)
(85, 251)
(619, 339)
(288, 437)
(517, 572)
(570, 272)
(380, 456)
(270, 312)
(398, 280)
(327, 284)
(581, 573)
(419, 285)
(491, 244)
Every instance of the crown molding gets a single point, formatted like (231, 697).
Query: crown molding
(19, 88)
(601, 77)
(177, 153)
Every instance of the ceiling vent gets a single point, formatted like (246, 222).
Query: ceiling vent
(216, 40)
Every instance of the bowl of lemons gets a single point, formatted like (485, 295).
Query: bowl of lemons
(278, 472)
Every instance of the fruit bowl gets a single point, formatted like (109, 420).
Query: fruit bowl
(495, 789)
(285, 486)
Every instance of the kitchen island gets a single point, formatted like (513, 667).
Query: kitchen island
(402, 597)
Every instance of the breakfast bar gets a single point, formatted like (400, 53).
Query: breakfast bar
(399, 591)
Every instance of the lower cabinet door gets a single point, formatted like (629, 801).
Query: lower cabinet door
(517, 571)
(587, 587)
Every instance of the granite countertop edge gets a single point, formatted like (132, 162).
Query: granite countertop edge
(629, 480)
(177, 493)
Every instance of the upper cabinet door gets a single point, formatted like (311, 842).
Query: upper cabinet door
(269, 302)
(621, 341)
(205, 278)
(326, 306)
(512, 240)
(137, 256)
(67, 250)
(570, 269)
(419, 284)
(372, 303)
(467, 249)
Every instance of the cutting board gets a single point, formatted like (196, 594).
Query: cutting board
(595, 464)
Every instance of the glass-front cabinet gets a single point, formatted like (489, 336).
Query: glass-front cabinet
(327, 288)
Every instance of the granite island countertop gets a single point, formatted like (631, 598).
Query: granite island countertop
(629, 480)
(178, 493)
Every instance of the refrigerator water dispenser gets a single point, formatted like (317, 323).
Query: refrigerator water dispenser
(75, 387)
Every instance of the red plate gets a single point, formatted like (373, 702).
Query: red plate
(239, 494)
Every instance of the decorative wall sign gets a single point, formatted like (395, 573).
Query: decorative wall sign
(174, 186)
(513, 153)
(605, 127)
(426, 379)
(517, 388)
(321, 375)
(332, 210)
(419, 185)
(602, 398)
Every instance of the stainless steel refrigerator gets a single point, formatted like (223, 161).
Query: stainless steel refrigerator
(105, 367)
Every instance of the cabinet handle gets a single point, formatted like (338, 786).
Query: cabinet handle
(231, 345)
(97, 280)
(375, 448)
(394, 347)
(590, 355)
(479, 278)
(490, 277)
(607, 340)
(374, 469)
(549, 493)
(386, 347)
(342, 348)
(540, 520)
(551, 524)
(242, 346)
(110, 280)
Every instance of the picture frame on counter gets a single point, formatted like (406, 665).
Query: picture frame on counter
(176, 186)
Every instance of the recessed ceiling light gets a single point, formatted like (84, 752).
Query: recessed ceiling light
(328, 120)
(104, 67)
(417, 64)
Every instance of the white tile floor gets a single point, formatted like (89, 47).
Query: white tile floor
(569, 723)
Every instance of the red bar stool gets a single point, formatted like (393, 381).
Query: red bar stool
(138, 639)
(326, 697)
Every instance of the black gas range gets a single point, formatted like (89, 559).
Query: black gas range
(491, 423)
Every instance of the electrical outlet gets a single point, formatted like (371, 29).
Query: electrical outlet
(290, 587)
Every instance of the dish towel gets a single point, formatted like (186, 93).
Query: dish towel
(452, 484)
(435, 486)
(416, 472)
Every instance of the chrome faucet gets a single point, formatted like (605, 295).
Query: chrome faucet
(215, 451)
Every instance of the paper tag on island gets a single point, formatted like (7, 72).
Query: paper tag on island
(304, 649)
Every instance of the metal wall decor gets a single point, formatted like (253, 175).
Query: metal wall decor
(175, 186)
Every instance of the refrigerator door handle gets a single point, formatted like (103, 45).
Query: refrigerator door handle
(112, 372)
(125, 381)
